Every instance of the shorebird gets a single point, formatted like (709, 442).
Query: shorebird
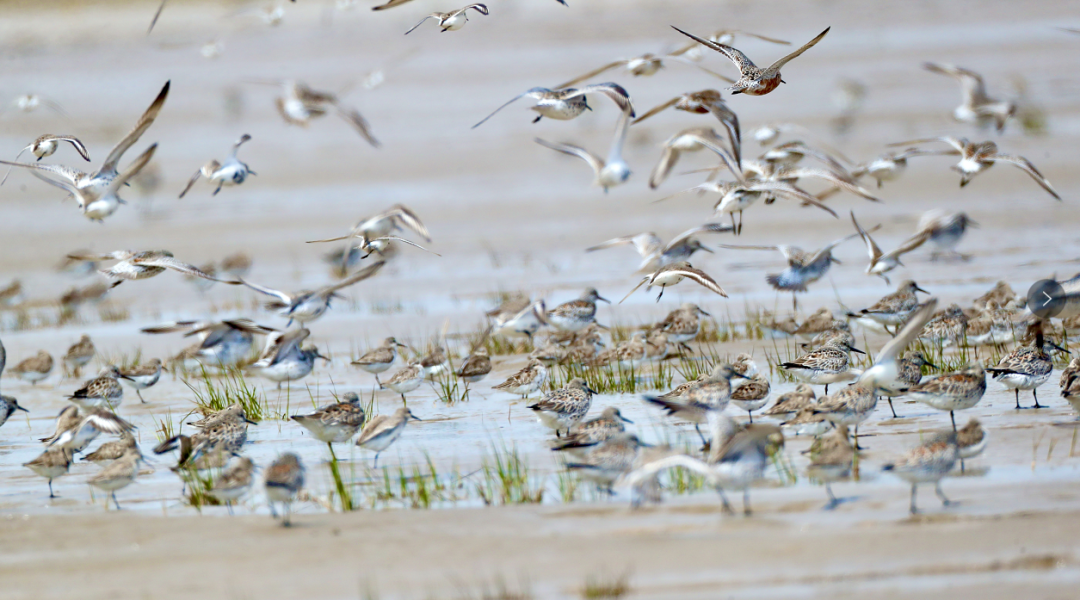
(306, 306)
(142, 376)
(736, 197)
(692, 50)
(693, 139)
(75, 431)
(593, 431)
(35, 368)
(284, 480)
(299, 104)
(102, 391)
(476, 366)
(644, 65)
(222, 343)
(895, 308)
(526, 320)
(605, 462)
(753, 80)
(237, 264)
(576, 315)
(751, 395)
(888, 166)
(928, 462)
(944, 230)
(118, 474)
(47, 145)
(284, 359)
(435, 362)
(977, 107)
(705, 102)
(803, 268)
(1027, 367)
(379, 359)
(673, 274)
(233, 482)
(113, 450)
(133, 266)
(976, 158)
(791, 403)
(8, 406)
(960, 390)
(96, 192)
(453, 20)
(406, 380)
(230, 172)
(568, 103)
(565, 407)
(695, 401)
(880, 262)
(51, 464)
(381, 431)
(396, 218)
(334, 423)
(948, 327)
(830, 363)
(526, 381)
(908, 377)
(682, 324)
(608, 172)
(655, 253)
(831, 459)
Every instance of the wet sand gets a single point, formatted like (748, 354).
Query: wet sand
(507, 214)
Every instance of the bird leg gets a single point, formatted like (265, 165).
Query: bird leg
(751, 415)
(952, 417)
(114, 502)
(940, 494)
(273, 513)
(376, 466)
(1017, 398)
(912, 508)
(229, 506)
(697, 428)
(661, 292)
(892, 409)
(746, 502)
(403, 401)
(139, 394)
(723, 498)
(833, 502)
(1036, 396)
(51, 494)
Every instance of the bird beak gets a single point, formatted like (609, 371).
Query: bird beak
(602, 326)
(599, 297)
(625, 420)
(250, 422)
(739, 375)
(706, 248)
(972, 224)
(833, 259)
(317, 355)
(414, 417)
(703, 312)
(856, 350)
(917, 288)
(1056, 347)
(22, 409)
(929, 364)
(964, 181)
(592, 391)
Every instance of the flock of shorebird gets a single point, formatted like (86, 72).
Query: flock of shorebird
(599, 448)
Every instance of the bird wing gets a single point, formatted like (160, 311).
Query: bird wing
(404, 241)
(776, 66)
(955, 142)
(1025, 165)
(410, 220)
(285, 298)
(645, 243)
(669, 156)
(591, 74)
(652, 111)
(701, 278)
(144, 123)
(536, 92)
(432, 15)
(790, 191)
(871, 247)
(480, 8)
(911, 243)
(644, 280)
(390, 4)
(157, 14)
(169, 327)
(358, 122)
(734, 55)
(357, 277)
(133, 169)
(191, 182)
(74, 141)
(66, 176)
(972, 82)
(895, 346)
(616, 92)
(687, 61)
(729, 160)
(706, 228)
(622, 126)
(730, 121)
(594, 161)
(834, 178)
(169, 262)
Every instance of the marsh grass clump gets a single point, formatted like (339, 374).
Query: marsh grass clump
(604, 586)
(165, 428)
(111, 313)
(506, 479)
(498, 589)
(197, 488)
(416, 489)
(568, 486)
(611, 378)
(230, 389)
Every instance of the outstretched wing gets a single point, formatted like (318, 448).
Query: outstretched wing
(357, 277)
(144, 123)
(706, 228)
(783, 61)
(536, 92)
(58, 175)
(616, 92)
(734, 55)
(656, 109)
(432, 15)
(1026, 166)
(358, 122)
(169, 262)
(644, 243)
(871, 247)
(594, 161)
(285, 298)
(591, 74)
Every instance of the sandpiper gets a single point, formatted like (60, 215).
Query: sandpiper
(306, 306)
(102, 391)
(96, 192)
(831, 459)
(565, 407)
(379, 360)
(568, 103)
(830, 363)
(76, 431)
(803, 268)
(435, 363)
(382, 224)
(133, 266)
(112, 450)
(594, 430)
(949, 327)
(607, 172)
(894, 309)
(744, 365)
(12, 294)
(643, 65)
(334, 423)
(576, 315)
(976, 158)
(8, 405)
(381, 431)
(791, 403)
(850, 406)
(406, 380)
(705, 102)
(77, 267)
(51, 464)
(234, 413)
(142, 376)
(222, 343)
(882, 262)
(978, 107)
(928, 462)
(47, 145)
(299, 104)
(476, 366)
(118, 474)
(840, 330)
(673, 274)
(284, 480)
(606, 461)
(960, 390)
(655, 253)
(819, 322)
(693, 403)
(453, 20)
(909, 376)
(234, 481)
(284, 359)
(526, 321)
(35, 368)
(682, 324)
(230, 172)
(1027, 367)
(753, 80)
(1002, 294)
(526, 381)
(693, 139)
(751, 394)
